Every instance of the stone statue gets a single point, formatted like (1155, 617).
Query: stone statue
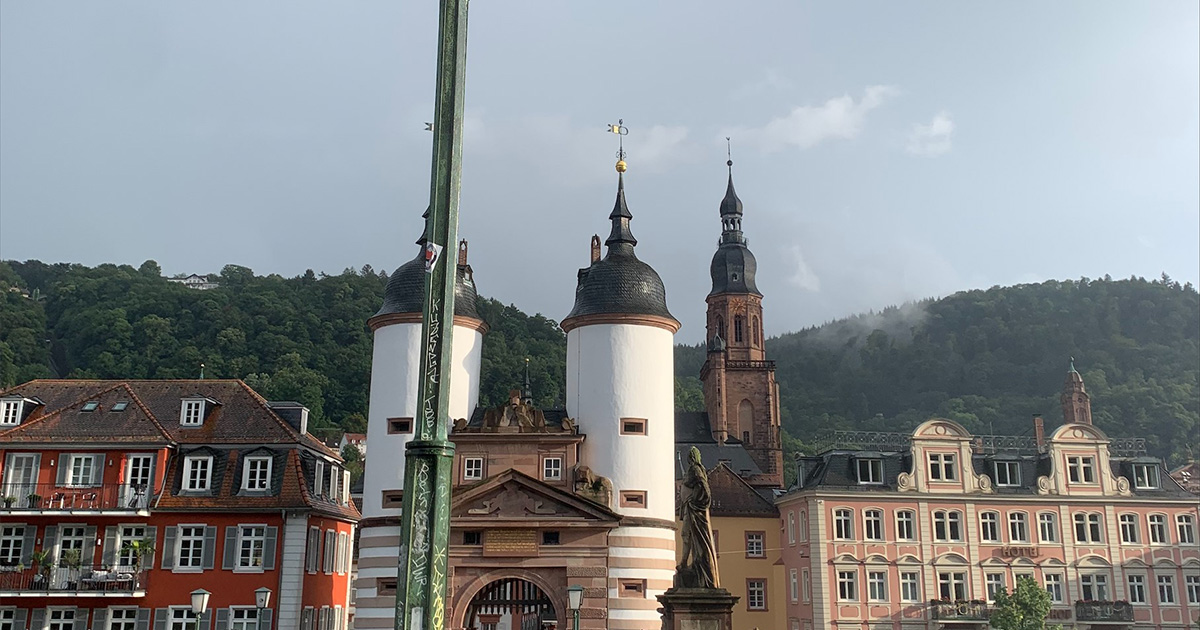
(698, 568)
(516, 414)
(595, 487)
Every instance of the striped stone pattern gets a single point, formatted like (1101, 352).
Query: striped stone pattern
(377, 550)
(643, 553)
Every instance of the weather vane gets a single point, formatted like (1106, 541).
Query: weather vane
(728, 152)
(621, 130)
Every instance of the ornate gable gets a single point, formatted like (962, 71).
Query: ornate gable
(513, 498)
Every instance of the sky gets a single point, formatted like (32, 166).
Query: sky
(884, 151)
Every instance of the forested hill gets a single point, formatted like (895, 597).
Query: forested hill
(988, 359)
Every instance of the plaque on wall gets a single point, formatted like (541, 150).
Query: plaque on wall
(510, 543)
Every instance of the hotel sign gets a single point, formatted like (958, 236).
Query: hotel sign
(1020, 552)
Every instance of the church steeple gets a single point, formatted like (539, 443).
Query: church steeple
(1076, 404)
(620, 237)
(731, 212)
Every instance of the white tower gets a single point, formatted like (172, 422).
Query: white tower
(393, 406)
(621, 391)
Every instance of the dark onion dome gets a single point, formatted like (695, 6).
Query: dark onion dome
(620, 284)
(733, 265)
(405, 290)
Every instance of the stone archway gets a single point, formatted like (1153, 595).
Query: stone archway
(509, 604)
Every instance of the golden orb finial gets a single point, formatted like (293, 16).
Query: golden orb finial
(621, 166)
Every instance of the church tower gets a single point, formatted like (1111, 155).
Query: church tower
(395, 363)
(621, 392)
(740, 393)
(1076, 404)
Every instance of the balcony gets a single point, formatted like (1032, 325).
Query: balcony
(84, 581)
(959, 610)
(49, 498)
(1104, 611)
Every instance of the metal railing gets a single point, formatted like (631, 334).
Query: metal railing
(1127, 447)
(124, 581)
(1103, 611)
(963, 609)
(892, 441)
(754, 365)
(54, 497)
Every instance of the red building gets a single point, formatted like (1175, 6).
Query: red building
(219, 489)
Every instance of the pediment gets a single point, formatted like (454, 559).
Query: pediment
(513, 496)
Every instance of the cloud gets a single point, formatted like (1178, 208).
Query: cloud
(771, 81)
(806, 126)
(933, 139)
(803, 276)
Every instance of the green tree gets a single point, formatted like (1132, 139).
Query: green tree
(1025, 609)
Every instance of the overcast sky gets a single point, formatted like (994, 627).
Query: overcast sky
(884, 151)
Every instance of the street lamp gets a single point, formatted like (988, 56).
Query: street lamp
(262, 599)
(199, 604)
(574, 601)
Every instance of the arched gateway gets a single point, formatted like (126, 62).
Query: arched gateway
(510, 604)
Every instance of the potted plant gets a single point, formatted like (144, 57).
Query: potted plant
(138, 549)
(71, 559)
(8, 502)
(41, 566)
(35, 500)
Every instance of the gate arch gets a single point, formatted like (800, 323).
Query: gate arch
(509, 603)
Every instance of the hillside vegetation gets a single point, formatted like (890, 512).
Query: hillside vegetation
(988, 359)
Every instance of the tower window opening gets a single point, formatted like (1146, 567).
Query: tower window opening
(754, 330)
(720, 327)
(737, 328)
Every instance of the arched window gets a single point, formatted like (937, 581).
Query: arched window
(754, 329)
(721, 327)
(746, 419)
(737, 328)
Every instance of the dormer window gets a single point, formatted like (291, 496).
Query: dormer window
(1008, 474)
(941, 467)
(870, 470)
(1145, 476)
(11, 411)
(319, 479)
(257, 474)
(197, 473)
(192, 413)
(1081, 469)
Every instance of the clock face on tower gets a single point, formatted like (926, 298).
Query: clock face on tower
(737, 305)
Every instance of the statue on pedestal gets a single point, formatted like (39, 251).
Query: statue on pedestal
(698, 567)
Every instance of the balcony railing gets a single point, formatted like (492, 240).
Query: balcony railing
(45, 497)
(89, 580)
(1103, 611)
(961, 610)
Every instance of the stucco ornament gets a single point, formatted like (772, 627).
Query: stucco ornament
(698, 567)
(1044, 486)
(985, 484)
(904, 482)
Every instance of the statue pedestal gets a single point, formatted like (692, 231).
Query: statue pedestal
(697, 609)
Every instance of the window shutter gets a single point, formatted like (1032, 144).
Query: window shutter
(267, 614)
(210, 547)
(223, 619)
(19, 617)
(89, 540)
(27, 544)
(269, 545)
(143, 620)
(162, 617)
(230, 557)
(50, 538)
(168, 554)
(37, 620)
(64, 467)
(152, 536)
(99, 619)
(97, 470)
(306, 619)
(109, 557)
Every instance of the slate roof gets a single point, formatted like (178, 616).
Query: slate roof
(733, 270)
(732, 496)
(405, 291)
(692, 428)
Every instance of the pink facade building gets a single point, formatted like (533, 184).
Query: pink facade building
(907, 531)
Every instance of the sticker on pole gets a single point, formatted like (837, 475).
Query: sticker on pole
(433, 252)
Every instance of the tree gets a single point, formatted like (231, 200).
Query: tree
(1025, 609)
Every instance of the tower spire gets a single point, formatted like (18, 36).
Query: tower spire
(620, 238)
(731, 206)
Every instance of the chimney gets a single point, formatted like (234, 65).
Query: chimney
(595, 248)
(293, 413)
(1039, 431)
(462, 252)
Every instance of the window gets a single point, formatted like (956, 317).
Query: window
(399, 426)
(192, 414)
(905, 525)
(1185, 526)
(1137, 589)
(197, 473)
(847, 586)
(1166, 589)
(791, 528)
(627, 587)
(129, 533)
(1048, 527)
(941, 467)
(793, 585)
(1081, 469)
(756, 594)
(1087, 527)
(952, 585)
(319, 479)
(873, 524)
(994, 582)
(1094, 586)
(182, 619)
(633, 426)
(989, 527)
(877, 586)
(122, 618)
(803, 533)
(191, 547)
(60, 619)
(805, 586)
(551, 538)
(258, 473)
(1158, 529)
(1145, 476)
(70, 538)
(472, 539)
(472, 468)
(1008, 474)
(385, 587)
(243, 618)
(251, 541)
(1129, 528)
(120, 405)
(870, 471)
(1018, 527)
(633, 498)
(1193, 588)
(947, 526)
(12, 540)
(737, 328)
(83, 470)
(10, 411)
(90, 406)
(1054, 586)
(754, 545)
(843, 524)
(552, 468)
